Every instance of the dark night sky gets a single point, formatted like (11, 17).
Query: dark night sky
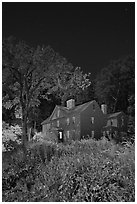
(89, 35)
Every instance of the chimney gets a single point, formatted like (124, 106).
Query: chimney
(104, 108)
(70, 103)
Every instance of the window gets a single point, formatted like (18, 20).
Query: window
(68, 121)
(74, 119)
(111, 122)
(93, 107)
(58, 113)
(122, 121)
(92, 133)
(57, 123)
(68, 134)
(92, 120)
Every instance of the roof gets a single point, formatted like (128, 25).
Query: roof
(46, 121)
(75, 110)
(108, 127)
(113, 115)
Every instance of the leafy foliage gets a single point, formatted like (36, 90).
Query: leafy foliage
(70, 84)
(11, 136)
(116, 84)
(83, 171)
(30, 74)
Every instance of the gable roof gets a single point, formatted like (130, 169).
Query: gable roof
(66, 111)
(113, 115)
(46, 121)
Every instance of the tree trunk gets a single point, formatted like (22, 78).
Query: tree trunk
(24, 131)
(115, 105)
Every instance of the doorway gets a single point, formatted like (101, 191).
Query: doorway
(60, 136)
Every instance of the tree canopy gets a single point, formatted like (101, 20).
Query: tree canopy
(33, 73)
(116, 83)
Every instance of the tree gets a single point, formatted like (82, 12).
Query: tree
(116, 83)
(71, 83)
(25, 74)
(31, 74)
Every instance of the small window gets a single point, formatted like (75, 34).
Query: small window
(122, 121)
(58, 113)
(68, 134)
(92, 133)
(111, 122)
(74, 119)
(57, 123)
(92, 120)
(68, 121)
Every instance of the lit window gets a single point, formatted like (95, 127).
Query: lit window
(68, 133)
(73, 118)
(67, 121)
(57, 123)
(92, 120)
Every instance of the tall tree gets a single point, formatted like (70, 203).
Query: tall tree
(116, 83)
(25, 74)
(71, 83)
(30, 74)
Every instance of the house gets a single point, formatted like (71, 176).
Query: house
(115, 123)
(75, 122)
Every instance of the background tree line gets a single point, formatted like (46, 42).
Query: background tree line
(34, 80)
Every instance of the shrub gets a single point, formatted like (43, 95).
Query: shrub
(49, 137)
(86, 170)
(11, 136)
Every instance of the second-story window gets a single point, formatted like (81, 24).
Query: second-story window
(58, 113)
(57, 123)
(92, 133)
(68, 134)
(68, 121)
(122, 121)
(74, 119)
(92, 120)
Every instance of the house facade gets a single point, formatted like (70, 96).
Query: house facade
(88, 120)
(75, 122)
(116, 123)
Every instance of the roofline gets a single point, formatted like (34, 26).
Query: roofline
(112, 115)
(48, 120)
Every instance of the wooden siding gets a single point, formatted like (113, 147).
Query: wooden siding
(84, 121)
(120, 121)
(93, 110)
(45, 127)
(112, 122)
(73, 127)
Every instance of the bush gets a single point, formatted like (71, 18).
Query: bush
(44, 137)
(86, 170)
(11, 136)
